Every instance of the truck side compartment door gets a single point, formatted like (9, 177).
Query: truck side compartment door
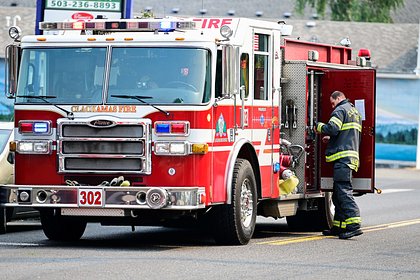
(359, 87)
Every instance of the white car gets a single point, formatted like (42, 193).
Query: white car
(7, 177)
(6, 168)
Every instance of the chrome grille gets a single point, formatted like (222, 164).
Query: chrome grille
(103, 147)
(122, 146)
(126, 131)
(110, 164)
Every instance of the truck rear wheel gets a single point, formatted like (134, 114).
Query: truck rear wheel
(316, 220)
(234, 224)
(60, 228)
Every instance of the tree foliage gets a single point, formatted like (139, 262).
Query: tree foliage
(407, 137)
(353, 10)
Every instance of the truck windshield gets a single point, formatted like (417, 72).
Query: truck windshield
(71, 75)
(78, 75)
(164, 75)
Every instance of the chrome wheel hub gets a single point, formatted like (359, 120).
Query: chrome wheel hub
(247, 205)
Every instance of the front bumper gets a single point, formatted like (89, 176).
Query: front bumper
(103, 197)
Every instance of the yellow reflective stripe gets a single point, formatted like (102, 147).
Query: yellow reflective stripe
(342, 154)
(351, 125)
(337, 121)
(319, 127)
(354, 220)
(349, 221)
(353, 166)
(339, 224)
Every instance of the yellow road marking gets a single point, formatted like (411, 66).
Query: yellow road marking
(392, 225)
(319, 237)
(293, 240)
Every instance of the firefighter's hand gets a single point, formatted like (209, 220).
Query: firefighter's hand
(315, 130)
(325, 139)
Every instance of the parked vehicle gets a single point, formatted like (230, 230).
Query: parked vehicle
(6, 168)
(7, 177)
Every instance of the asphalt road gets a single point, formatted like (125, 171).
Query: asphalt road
(388, 249)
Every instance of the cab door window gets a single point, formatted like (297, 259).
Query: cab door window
(261, 65)
(245, 73)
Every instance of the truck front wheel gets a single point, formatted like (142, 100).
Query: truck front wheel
(60, 228)
(234, 224)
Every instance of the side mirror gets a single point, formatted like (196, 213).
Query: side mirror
(11, 158)
(230, 69)
(11, 71)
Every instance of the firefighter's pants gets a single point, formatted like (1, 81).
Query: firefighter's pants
(347, 213)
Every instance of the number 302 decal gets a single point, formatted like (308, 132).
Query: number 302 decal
(90, 197)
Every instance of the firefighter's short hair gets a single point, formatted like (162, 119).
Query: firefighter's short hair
(336, 94)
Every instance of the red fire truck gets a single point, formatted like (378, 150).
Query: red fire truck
(157, 121)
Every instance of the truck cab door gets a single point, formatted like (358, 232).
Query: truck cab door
(264, 110)
(359, 87)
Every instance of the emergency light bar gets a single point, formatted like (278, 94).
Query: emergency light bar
(163, 25)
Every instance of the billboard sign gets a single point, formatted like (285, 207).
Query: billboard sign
(59, 10)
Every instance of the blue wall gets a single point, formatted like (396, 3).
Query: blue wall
(397, 104)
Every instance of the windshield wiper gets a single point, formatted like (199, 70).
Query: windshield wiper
(45, 98)
(140, 98)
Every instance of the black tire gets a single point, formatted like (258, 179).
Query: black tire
(6, 215)
(60, 228)
(234, 224)
(316, 220)
(3, 220)
(9, 213)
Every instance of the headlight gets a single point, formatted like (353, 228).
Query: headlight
(171, 148)
(226, 31)
(15, 33)
(33, 147)
(177, 148)
(161, 148)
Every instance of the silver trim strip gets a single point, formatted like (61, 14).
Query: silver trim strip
(57, 196)
(359, 184)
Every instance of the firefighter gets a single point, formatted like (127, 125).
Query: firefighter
(343, 134)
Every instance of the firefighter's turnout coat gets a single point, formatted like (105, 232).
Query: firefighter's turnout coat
(344, 127)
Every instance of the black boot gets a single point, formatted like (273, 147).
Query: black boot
(350, 233)
(334, 231)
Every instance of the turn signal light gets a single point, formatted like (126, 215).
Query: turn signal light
(12, 146)
(199, 148)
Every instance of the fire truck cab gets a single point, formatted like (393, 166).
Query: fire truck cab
(150, 121)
